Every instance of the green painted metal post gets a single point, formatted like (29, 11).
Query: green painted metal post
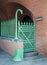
(19, 52)
(16, 33)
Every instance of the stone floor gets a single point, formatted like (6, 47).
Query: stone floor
(31, 58)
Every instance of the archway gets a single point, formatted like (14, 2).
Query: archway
(27, 27)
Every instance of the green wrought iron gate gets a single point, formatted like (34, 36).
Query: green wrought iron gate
(26, 31)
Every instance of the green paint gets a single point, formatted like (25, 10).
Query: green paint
(18, 10)
(12, 28)
(18, 55)
(27, 33)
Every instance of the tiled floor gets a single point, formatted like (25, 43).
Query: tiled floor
(33, 59)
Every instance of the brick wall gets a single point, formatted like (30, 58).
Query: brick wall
(38, 8)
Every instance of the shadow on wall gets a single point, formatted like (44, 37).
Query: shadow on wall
(9, 9)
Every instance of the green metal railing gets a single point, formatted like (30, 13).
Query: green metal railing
(13, 28)
(25, 32)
